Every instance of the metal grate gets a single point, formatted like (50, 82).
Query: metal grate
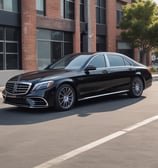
(18, 88)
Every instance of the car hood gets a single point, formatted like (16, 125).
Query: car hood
(42, 75)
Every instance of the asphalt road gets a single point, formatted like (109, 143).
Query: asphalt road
(110, 132)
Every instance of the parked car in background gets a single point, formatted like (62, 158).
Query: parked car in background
(78, 77)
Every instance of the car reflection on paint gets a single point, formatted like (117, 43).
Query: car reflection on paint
(78, 77)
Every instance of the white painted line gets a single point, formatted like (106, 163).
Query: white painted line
(80, 150)
(140, 124)
(94, 144)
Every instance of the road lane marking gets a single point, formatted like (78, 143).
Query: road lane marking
(73, 153)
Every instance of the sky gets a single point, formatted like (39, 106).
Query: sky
(156, 1)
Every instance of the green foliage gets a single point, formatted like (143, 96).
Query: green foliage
(140, 24)
(153, 69)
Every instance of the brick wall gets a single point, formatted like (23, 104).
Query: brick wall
(111, 25)
(28, 30)
(53, 9)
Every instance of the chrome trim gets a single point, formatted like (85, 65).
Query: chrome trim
(101, 95)
(37, 106)
(15, 87)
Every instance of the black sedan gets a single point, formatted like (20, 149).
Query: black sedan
(78, 77)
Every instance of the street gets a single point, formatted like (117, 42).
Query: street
(109, 132)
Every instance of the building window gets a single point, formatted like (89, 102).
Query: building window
(9, 48)
(100, 11)
(40, 7)
(82, 11)
(119, 13)
(9, 5)
(100, 43)
(68, 9)
(52, 45)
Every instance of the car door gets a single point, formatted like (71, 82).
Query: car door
(119, 73)
(92, 81)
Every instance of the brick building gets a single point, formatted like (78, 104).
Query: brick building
(35, 33)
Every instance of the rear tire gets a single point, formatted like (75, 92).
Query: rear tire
(65, 97)
(136, 88)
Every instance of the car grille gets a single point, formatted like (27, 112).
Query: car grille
(18, 88)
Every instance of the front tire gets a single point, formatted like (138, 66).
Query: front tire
(65, 97)
(136, 88)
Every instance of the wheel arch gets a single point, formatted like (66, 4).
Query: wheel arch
(69, 82)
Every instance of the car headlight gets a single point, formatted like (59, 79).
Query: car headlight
(43, 85)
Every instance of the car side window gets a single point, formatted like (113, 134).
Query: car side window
(115, 60)
(98, 61)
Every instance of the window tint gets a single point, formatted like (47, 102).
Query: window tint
(115, 60)
(98, 61)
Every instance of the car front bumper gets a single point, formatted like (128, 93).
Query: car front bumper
(40, 99)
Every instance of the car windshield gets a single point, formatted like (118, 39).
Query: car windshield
(75, 62)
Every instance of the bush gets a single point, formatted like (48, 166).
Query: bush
(153, 69)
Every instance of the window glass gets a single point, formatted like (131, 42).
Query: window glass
(1, 34)
(98, 61)
(11, 61)
(119, 12)
(68, 9)
(100, 43)
(11, 34)
(128, 63)
(53, 46)
(68, 37)
(9, 5)
(1, 47)
(57, 35)
(44, 34)
(82, 11)
(15, 5)
(115, 60)
(44, 53)
(102, 16)
(1, 61)
(68, 48)
(102, 3)
(77, 62)
(40, 7)
(11, 47)
(100, 11)
(1, 4)
(56, 49)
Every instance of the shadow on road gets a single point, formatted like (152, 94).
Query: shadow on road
(22, 116)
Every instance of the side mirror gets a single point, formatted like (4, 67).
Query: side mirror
(90, 68)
